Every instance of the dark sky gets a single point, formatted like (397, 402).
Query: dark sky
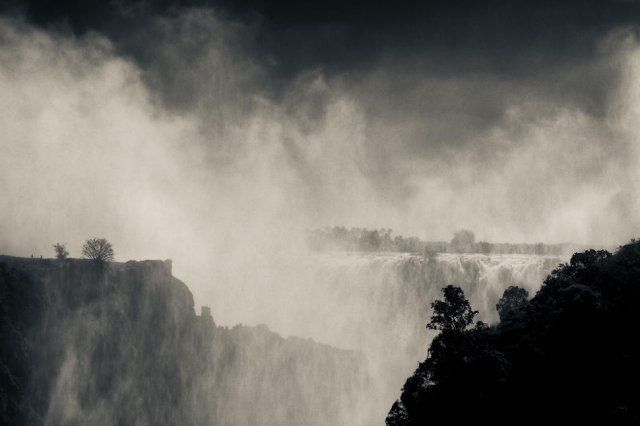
(508, 36)
(536, 46)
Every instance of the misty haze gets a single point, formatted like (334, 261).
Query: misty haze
(350, 213)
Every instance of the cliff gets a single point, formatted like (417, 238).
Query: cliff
(123, 345)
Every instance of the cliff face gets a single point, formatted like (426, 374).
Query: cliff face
(123, 345)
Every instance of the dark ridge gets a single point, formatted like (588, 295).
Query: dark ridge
(87, 344)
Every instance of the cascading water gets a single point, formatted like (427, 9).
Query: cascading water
(379, 303)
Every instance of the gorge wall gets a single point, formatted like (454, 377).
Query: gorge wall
(123, 345)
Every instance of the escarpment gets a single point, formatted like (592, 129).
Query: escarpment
(122, 344)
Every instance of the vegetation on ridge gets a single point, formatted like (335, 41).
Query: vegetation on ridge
(463, 241)
(98, 249)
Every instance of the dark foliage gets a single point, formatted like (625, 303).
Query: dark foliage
(568, 356)
(61, 251)
(512, 301)
(454, 313)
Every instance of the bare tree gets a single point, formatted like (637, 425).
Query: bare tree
(98, 249)
(61, 251)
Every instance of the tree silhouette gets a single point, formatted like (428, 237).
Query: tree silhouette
(98, 249)
(512, 299)
(61, 251)
(568, 354)
(454, 313)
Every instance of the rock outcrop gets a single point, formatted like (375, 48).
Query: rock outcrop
(84, 344)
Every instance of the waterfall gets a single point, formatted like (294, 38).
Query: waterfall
(379, 303)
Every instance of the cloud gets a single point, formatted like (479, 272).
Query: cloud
(83, 145)
(184, 149)
(89, 152)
